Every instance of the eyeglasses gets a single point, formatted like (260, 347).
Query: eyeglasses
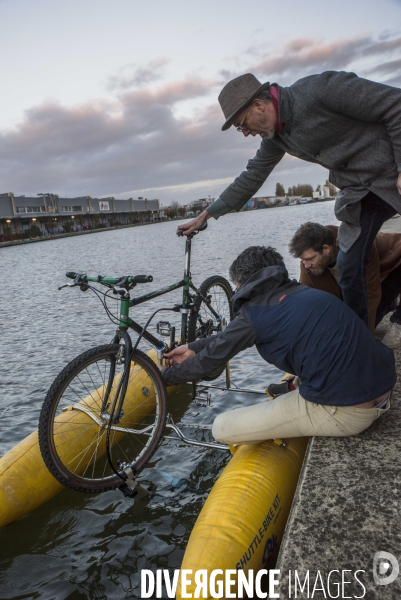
(241, 127)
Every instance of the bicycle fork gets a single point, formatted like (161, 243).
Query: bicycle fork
(114, 412)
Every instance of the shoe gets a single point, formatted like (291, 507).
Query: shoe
(278, 389)
(392, 339)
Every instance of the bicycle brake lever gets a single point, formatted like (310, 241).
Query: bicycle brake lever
(120, 290)
(67, 285)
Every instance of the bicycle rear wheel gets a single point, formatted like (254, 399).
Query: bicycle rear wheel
(202, 321)
(75, 418)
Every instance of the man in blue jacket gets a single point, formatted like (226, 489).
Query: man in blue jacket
(346, 373)
(349, 125)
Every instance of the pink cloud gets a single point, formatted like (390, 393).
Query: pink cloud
(136, 141)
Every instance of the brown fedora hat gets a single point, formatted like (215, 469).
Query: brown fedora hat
(237, 94)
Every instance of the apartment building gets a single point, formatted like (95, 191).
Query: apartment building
(48, 214)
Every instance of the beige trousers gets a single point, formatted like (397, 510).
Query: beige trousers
(290, 416)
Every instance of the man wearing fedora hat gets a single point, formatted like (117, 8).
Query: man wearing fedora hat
(349, 125)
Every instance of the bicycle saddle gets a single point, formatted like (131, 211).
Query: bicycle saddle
(180, 232)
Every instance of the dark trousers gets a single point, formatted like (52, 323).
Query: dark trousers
(352, 264)
(391, 289)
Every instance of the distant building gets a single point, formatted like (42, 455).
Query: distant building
(260, 202)
(48, 214)
(323, 192)
(200, 205)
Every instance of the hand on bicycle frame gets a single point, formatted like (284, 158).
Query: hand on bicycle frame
(178, 355)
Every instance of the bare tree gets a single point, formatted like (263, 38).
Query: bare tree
(175, 206)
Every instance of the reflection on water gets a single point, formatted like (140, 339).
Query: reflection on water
(78, 546)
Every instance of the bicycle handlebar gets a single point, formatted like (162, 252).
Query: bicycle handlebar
(110, 280)
(141, 278)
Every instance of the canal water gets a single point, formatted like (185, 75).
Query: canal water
(94, 547)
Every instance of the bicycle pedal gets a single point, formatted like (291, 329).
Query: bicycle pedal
(163, 328)
(202, 398)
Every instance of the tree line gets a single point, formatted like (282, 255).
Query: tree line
(303, 189)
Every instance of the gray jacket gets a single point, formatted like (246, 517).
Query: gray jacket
(349, 125)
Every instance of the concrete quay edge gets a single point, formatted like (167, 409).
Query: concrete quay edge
(347, 507)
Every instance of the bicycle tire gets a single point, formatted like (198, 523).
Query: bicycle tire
(73, 430)
(202, 322)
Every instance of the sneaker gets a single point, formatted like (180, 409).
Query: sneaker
(278, 389)
(392, 339)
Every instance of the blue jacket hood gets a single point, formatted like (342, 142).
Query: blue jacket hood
(265, 281)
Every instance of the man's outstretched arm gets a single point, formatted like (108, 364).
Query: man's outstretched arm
(243, 188)
(238, 335)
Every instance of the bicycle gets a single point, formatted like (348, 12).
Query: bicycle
(105, 414)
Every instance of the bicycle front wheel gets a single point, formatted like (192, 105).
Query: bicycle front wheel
(75, 420)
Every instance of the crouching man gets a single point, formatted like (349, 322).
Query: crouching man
(316, 246)
(346, 373)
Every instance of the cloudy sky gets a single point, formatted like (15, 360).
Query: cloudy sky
(119, 97)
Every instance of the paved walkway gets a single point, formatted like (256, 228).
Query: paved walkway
(347, 507)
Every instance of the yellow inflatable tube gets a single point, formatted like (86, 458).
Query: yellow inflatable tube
(25, 482)
(242, 521)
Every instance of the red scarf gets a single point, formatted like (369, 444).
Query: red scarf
(274, 93)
